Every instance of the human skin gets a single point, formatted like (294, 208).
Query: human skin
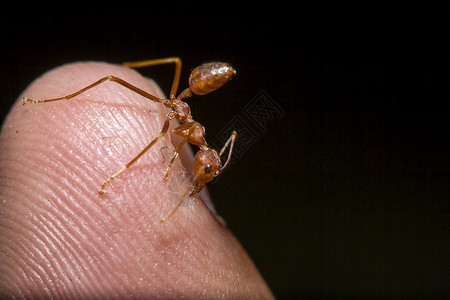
(61, 238)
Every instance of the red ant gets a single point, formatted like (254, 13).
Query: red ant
(204, 79)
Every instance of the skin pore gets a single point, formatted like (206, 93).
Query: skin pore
(60, 238)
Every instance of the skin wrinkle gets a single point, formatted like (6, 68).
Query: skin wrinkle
(73, 242)
(29, 267)
(99, 232)
(42, 232)
(71, 257)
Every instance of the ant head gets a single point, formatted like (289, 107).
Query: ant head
(207, 165)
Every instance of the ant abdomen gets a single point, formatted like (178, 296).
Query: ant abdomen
(209, 77)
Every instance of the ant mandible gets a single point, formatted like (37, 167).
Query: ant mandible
(204, 79)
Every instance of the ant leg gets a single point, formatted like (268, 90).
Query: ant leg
(230, 140)
(191, 127)
(110, 78)
(162, 133)
(173, 211)
(154, 62)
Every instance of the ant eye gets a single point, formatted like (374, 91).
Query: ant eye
(208, 169)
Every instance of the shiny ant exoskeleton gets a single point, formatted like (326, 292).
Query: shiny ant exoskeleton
(204, 79)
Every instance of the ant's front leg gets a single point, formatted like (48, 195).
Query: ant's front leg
(192, 132)
(161, 134)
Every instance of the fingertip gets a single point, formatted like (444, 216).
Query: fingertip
(81, 236)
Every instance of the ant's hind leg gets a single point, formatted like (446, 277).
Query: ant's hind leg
(161, 61)
(67, 97)
(110, 78)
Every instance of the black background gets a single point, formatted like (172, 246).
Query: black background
(343, 195)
